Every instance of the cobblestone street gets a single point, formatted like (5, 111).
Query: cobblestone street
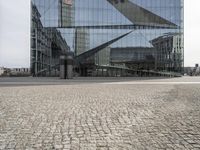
(102, 116)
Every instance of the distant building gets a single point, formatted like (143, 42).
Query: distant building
(2, 71)
(140, 58)
(14, 71)
(20, 72)
(196, 71)
(81, 41)
(192, 71)
(169, 51)
(102, 58)
(66, 13)
(188, 70)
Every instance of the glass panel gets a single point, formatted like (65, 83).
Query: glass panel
(80, 26)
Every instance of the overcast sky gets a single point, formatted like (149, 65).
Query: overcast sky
(15, 33)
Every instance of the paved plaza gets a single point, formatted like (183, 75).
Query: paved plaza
(100, 114)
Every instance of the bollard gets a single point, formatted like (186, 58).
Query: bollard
(63, 67)
(69, 66)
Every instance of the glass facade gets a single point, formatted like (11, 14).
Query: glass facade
(97, 29)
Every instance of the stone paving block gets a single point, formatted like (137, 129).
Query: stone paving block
(100, 116)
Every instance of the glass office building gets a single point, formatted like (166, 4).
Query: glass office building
(97, 29)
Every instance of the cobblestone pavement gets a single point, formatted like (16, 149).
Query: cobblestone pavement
(100, 116)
